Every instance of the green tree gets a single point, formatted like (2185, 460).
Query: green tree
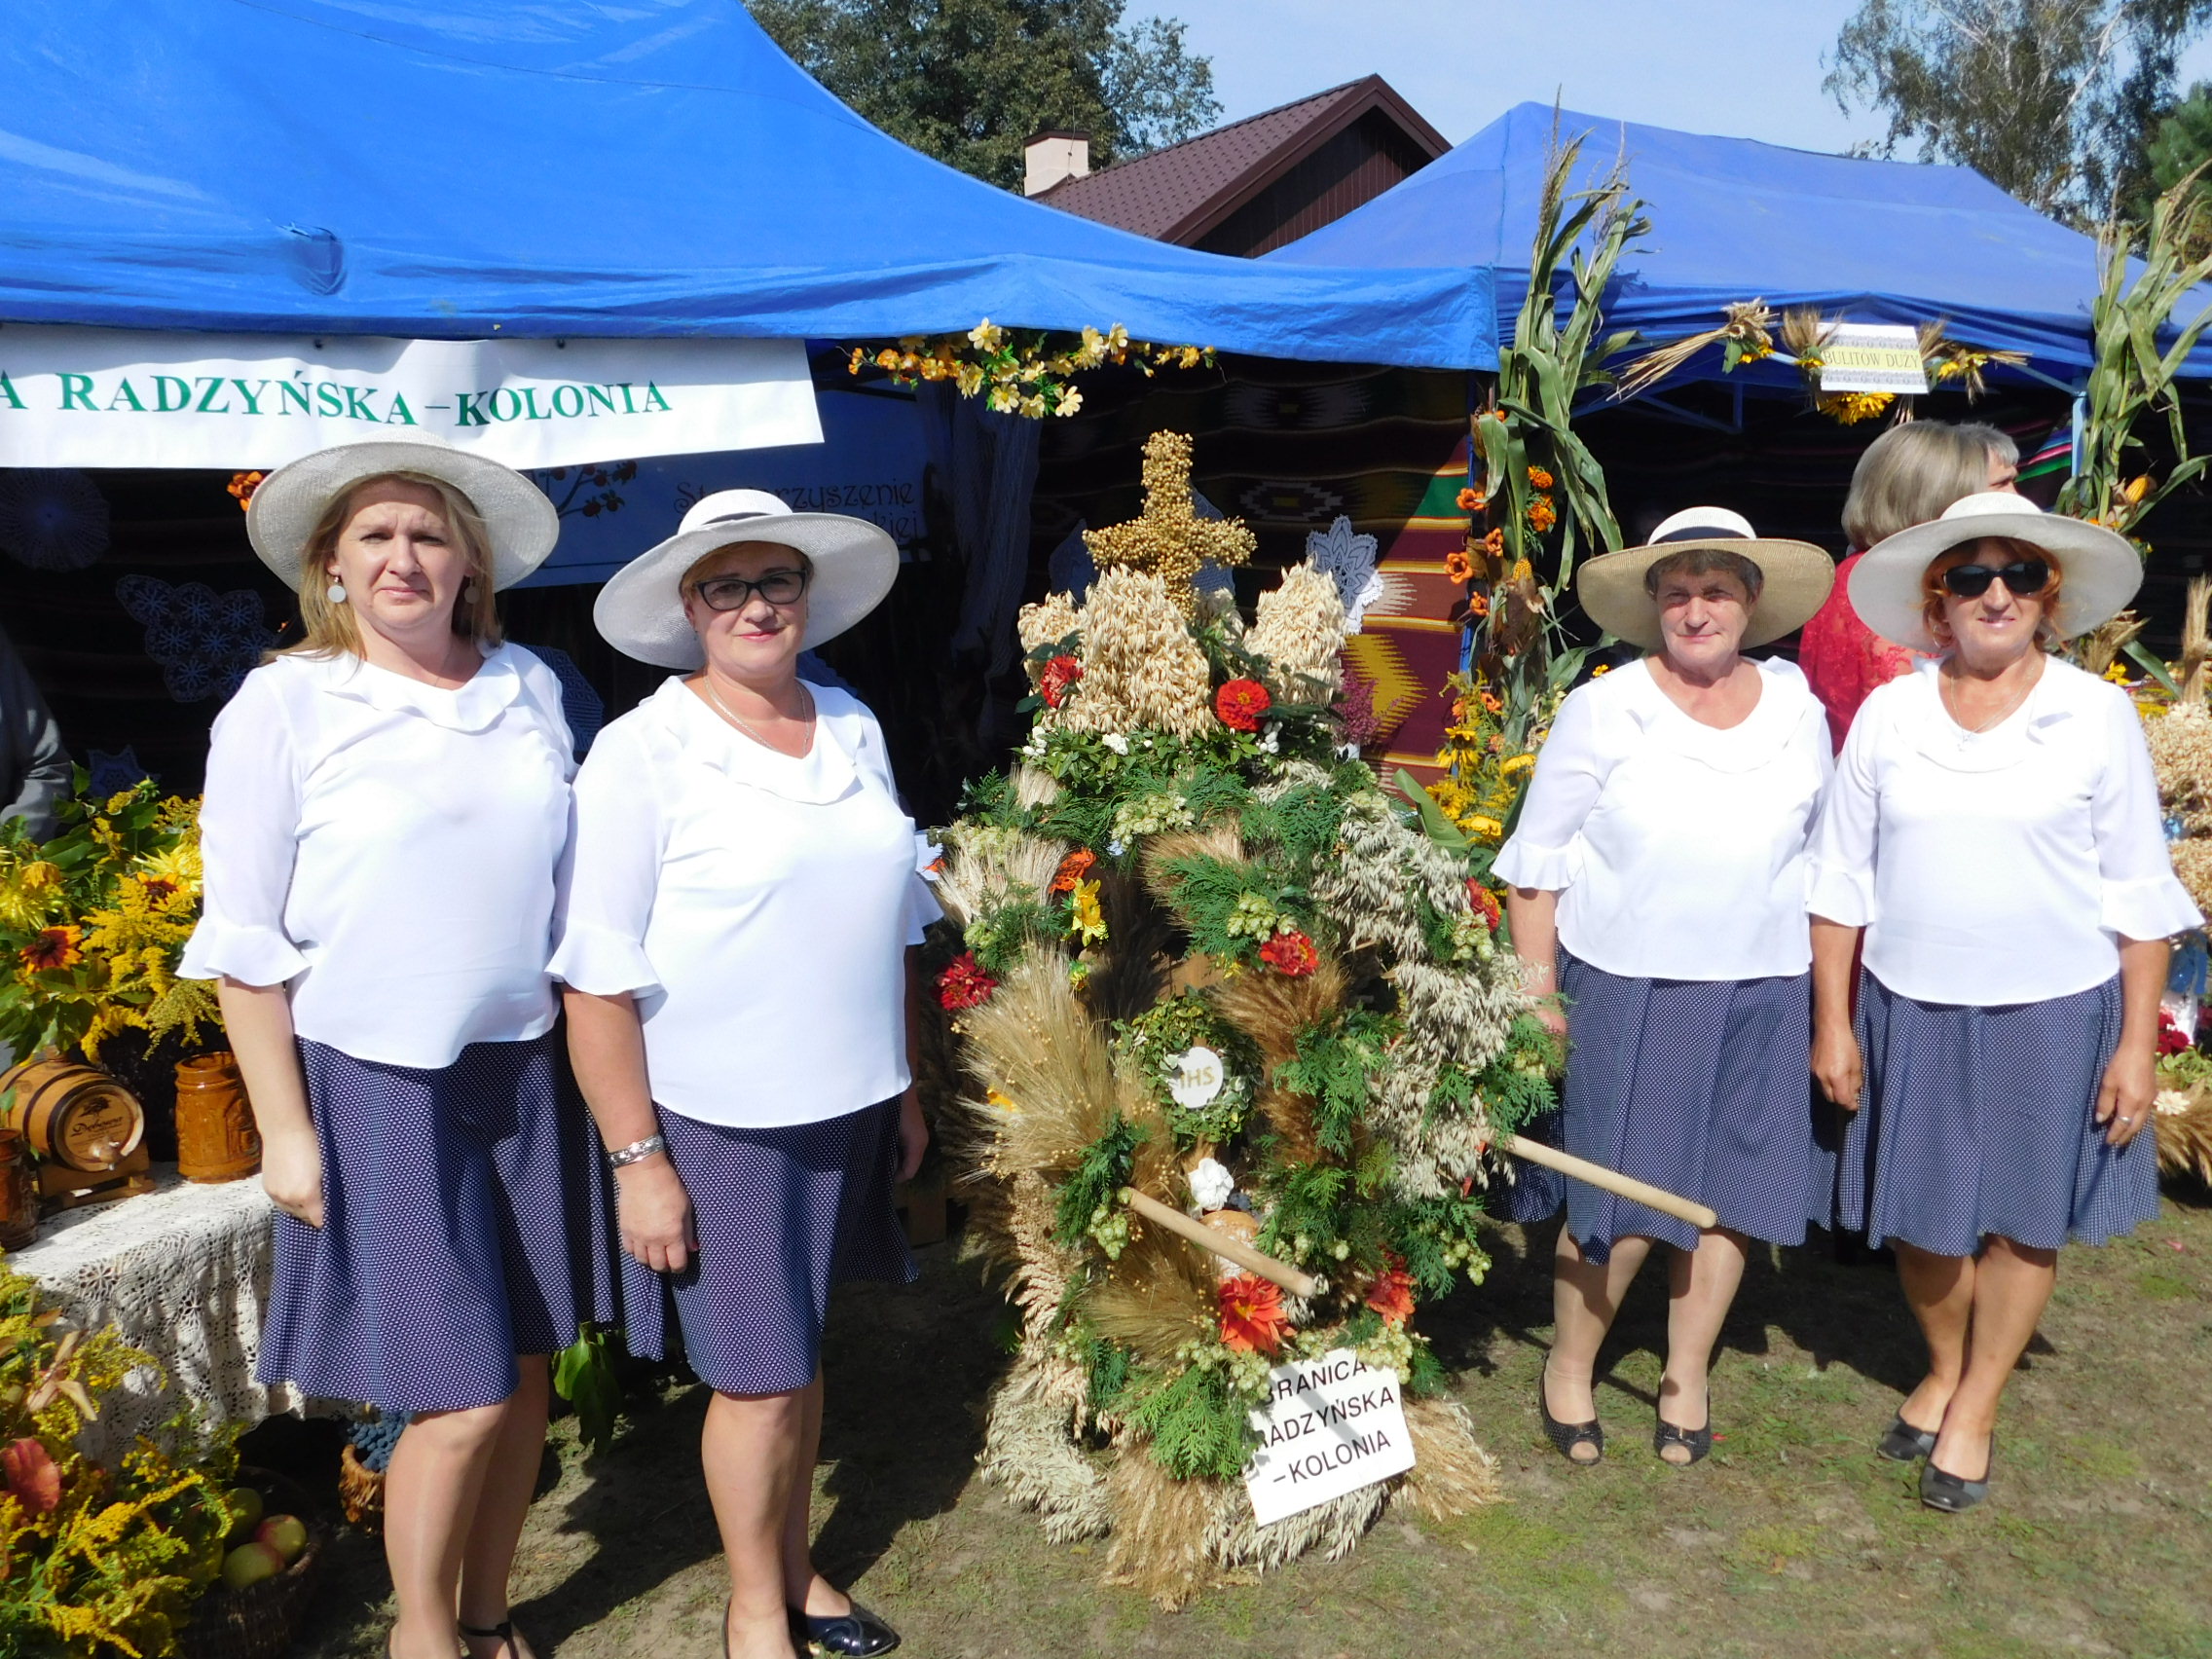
(2180, 144)
(2053, 100)
(968, 80)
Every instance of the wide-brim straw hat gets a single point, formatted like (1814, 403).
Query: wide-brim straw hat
(2101, 567)
(291, 500)
(640, 613)
(1798, 576)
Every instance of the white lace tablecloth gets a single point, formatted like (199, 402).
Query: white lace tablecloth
(182, 1272)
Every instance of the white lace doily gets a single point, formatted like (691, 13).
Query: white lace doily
(183, 1273)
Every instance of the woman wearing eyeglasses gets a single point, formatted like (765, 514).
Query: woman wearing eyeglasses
(735, 944)
(1994, 829)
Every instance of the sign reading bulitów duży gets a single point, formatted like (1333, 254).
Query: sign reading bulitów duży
(1331, 1425)
(1873, 357)
(112, 397)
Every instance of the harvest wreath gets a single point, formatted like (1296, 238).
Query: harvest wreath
(1209, 980)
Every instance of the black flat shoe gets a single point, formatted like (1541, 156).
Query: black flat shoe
(1697, 1441)
(859, 1633)
(1566, 1436)
(1953, 1496)
(504, 1631)
(1904, 1444)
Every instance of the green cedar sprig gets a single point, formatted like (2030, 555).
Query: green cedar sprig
(1197, 1423)
(1096, 1181)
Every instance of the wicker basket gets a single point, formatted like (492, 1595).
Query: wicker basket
(258, 1622)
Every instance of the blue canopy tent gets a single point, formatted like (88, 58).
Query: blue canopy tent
(1733, 219)
(472, 166)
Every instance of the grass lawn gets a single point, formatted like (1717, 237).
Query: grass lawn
(1792, 1540)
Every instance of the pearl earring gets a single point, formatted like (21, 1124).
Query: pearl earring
(468, 594)
(335, 593)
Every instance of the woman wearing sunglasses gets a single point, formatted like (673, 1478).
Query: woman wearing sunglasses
(1994, 829)
(735, 944)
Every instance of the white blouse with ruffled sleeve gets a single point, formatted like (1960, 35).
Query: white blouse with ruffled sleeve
(759, 907)
(2002, 866)
(388, 851)
(1677, 849)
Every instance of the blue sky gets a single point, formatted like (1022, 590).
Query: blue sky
(1744, 68)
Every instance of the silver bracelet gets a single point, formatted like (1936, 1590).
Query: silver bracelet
(636, 1151)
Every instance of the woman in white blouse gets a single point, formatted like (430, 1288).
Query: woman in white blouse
(735, 943)
(385, 809)
(1994, 829)
(1656, 878)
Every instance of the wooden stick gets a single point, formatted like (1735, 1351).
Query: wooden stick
(1222, 1244)
(1697, 1215)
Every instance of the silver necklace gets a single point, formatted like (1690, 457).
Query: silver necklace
(708, 681)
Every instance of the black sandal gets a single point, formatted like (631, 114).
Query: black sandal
(858, 1632)
(1904, 1444)
(504, 1630)
(1951, 1493)
(1697, 1441)
(1566, 1436)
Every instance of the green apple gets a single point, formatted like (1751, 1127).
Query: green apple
(245, 1509)
(286, 1534)
(250, 1563)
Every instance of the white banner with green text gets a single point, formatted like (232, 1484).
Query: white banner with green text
(115, 397)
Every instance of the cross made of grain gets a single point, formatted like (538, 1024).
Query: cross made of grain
(1168, 538)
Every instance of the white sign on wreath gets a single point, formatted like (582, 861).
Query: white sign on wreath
(1331, 1425)
(1873, 357)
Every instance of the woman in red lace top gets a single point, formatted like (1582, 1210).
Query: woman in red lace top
(1907, 476)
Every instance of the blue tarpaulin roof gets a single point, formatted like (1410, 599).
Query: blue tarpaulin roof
(460, 168)
(1732, 219)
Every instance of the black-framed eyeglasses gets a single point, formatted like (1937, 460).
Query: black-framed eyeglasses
(2023, 578)
(731, 593)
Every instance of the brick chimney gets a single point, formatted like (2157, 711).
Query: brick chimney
(1050, 156)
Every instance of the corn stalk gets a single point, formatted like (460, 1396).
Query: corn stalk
(1527, 429)
(2133, 379)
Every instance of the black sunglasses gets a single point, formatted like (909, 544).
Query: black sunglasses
(730, 593)
(1972, 582)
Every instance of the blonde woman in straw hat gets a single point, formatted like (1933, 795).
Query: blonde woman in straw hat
(1656, 881)
(736, 945)
(1994, 829)
(385, 809)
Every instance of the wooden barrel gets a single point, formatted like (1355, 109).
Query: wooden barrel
(216, 1135)
(73, 1115)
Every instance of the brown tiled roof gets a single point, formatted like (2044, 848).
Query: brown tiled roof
(1181, 191)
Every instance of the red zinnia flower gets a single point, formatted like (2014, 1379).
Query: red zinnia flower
(1059, 673)
(1290, 953)
(1240, 703)
(55, 948)
(964, 983)
(1073, 868)
(1391, 1295)
(1252, 1320)
(1485, 904)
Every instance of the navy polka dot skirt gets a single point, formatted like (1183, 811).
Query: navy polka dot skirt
(1979, 1121)
(463, 1211)
(783, 1215)
(1701, 1087)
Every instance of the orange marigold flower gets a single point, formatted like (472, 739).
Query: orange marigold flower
(1485, 904)
(1471, 500)
(1491, 702)
(1073, 868)
(1540, 478)
(1240, 703)
(1457, 567)
(1252, 1320)
(1542, 515)
(1291, 954)
(242, 484)
(55, 948)
(1391, 1295)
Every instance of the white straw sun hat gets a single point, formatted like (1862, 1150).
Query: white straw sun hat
(2101, 569)
(291, 500)
(1798, 576)
(641, 612)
